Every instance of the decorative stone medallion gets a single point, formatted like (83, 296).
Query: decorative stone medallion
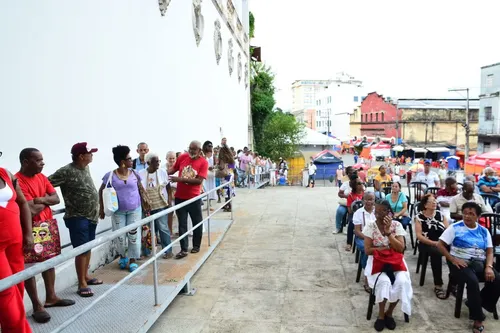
(163, 6)
(230, 58)
(198, 21)
(240, 69)
(217, 41)
(246, 75)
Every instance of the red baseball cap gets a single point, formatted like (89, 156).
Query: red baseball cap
(81, 148)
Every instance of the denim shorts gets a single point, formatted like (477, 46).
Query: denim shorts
(81, 230)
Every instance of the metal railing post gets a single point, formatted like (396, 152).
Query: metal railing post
(208, 220)
(155, 262)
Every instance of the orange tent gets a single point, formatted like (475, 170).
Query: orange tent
(477, 163)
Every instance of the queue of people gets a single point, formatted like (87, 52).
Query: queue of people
(447, 224)
(142, 186)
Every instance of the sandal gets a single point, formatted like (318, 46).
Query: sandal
(85, 292)
(389, 322)
(195, 250)
(132, 267)
(94, 282)
(181, 255)
(367, 288)
(41, 317)
(60, 303)
(440, 293)
(348, 248)
(477, 329)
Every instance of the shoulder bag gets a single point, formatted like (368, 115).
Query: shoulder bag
(145, 203)
(109, 198)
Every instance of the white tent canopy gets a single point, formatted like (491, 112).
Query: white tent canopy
(315, 138)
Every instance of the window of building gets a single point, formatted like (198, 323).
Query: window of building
(488, 113)
(486, 147)
(371, 117)
(376, 117)
(355, 98)
(363, 98)
(382, 116)
(366, 118)
(489, 80)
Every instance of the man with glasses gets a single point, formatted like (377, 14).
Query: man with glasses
(193, 169)
(155, 181)
(467, 195)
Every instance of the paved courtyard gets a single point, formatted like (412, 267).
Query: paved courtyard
(280, 269)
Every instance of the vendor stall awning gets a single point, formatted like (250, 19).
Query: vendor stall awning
(438, 149)
(398, 148)
(418, 150)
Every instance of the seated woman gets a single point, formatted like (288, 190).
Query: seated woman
(471, 258)
(387, 236)
(357, 191)
(362, 217)
(399, 204)
(380, 181)
(429, 226)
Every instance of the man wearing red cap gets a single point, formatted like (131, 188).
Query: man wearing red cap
(82, 208)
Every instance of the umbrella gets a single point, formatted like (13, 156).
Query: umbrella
(360, 166)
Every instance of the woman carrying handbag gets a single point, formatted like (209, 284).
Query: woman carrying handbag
(127, 185)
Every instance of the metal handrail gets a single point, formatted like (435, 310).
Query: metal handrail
(51, 263)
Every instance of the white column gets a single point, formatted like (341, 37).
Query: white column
(244, 13)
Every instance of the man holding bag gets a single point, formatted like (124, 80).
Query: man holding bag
(40, 196)
(82, 209)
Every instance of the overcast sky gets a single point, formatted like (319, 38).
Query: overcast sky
(399, 48)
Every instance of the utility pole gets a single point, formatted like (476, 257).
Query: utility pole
(466, 125)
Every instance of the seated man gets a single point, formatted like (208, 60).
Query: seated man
(489, 184)
(344, 191)
(428, 176)
(444, 195)
(467, 195)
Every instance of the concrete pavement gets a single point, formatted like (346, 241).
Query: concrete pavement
(280, 270)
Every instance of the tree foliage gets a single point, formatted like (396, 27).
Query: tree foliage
(252, 26)
(262, 98)
(281, 135)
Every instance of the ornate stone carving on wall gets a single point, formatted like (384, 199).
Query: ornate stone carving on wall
(163, 6)
(230, 11)
(246, 75)
(230, 58)
(240, 69)
(217, 41)
(198, 21)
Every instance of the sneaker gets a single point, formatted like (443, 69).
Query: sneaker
(168, 255)
(336, 231)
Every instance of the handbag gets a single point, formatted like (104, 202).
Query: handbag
(109, 198)
(47, 242)
(387, 261)
(145, 203)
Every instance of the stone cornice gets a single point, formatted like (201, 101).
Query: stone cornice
(229, 16)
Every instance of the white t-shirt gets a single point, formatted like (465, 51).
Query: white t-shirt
(357, 218)
(346, 188)
(442, 174)
(429, 179)
(312, 169)
(149, 179)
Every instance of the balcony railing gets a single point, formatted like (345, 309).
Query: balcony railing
(488, 131)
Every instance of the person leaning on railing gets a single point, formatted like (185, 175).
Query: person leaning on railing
(470, 259)
(15, 222)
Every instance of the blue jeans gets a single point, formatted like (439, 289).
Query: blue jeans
(339, 216)
(161, 227)
(360, 245)
(129, 246)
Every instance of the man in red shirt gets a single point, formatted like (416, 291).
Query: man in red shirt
(193, 169)
(40, 195)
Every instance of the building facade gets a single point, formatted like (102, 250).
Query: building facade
(355, 123)
(379, 117)
(336, 103)
(307, 117)
(489, 109)
(305, 93)
(438, 121)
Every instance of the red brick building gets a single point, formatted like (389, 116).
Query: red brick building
(378, 117)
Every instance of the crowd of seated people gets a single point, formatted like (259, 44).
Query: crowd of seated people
(447, 224)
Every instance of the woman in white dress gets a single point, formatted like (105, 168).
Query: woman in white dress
(387, 236)
(209, 183)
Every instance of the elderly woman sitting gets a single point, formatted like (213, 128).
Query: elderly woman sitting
(386, 270)
(470, 258)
